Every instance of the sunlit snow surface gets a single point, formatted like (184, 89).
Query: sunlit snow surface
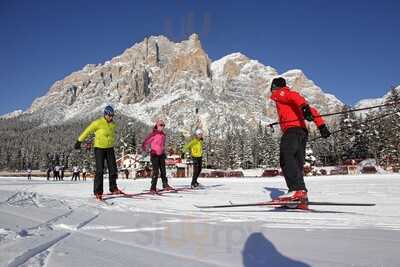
(49, 223)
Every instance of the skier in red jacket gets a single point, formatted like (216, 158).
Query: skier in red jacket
(292, 110)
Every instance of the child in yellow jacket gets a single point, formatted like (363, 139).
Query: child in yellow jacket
(195, 147)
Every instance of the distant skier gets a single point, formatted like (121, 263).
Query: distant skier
(292, 109)
(29, 172)
(104, 131)
(49, 169)
(156, 140)
(195, 146)
(75, 173)
(84, 171)
(62, 169)
(56, 173)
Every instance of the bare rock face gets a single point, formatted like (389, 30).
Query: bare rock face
(157, 78)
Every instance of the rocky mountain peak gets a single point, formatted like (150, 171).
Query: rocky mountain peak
(158, 78)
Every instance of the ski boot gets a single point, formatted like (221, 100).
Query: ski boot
(117, 191)
(295, 196)
(195, 185)
(167, 187)
(153, 191)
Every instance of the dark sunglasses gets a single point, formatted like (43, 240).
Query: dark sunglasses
(162, 125)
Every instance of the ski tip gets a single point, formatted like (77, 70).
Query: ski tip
(201, 207)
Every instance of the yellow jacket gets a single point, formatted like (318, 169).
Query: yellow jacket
(104, 133)
(195, 146)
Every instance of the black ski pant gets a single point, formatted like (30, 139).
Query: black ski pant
(292, 157)
(75, 175)
(101, 155)
(197, 162)
(158, 162)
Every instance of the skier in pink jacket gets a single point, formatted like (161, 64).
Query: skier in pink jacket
(156, 140)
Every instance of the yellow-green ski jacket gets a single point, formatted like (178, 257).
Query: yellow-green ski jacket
(104, 133)
(195, 146)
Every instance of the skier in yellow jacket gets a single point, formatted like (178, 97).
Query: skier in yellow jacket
(195, 146)
(104, 131)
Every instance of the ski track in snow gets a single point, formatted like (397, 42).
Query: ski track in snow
(31, 253)
(79, 215)
(36, 256)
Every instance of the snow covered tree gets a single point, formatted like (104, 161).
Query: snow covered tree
(126, 143)
(390, 137)
(246, 153)
(231, 149)
(259, 150)
(310, 160)
(345, 140)
(271, 149)
(373, 134)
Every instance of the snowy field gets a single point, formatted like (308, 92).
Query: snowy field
(59, 224)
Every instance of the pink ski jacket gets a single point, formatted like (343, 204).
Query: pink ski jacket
(156, 140)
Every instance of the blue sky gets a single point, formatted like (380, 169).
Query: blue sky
(349, 48)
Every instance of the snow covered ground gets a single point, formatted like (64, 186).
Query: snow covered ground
(59, 224)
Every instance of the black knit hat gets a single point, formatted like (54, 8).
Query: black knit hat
(278, 83)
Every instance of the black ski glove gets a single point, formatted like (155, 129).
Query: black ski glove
(77, 145)
(324, 131)
(307, 113)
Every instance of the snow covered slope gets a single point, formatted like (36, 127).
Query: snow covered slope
(59, 224)
(13, 114)
(375, 101)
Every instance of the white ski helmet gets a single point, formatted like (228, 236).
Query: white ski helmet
(199, 132)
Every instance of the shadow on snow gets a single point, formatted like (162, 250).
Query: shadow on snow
(258, 251)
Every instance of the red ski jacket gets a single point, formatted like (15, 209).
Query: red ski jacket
(288, 106)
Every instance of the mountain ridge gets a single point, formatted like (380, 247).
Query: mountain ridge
(157, 78)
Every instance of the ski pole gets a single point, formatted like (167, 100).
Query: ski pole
(346, 128)
(339, 112)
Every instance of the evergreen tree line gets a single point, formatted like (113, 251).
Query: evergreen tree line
(360, 136)
(27, 143)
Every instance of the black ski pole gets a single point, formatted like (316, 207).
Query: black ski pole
(339, 112)
(346, 128)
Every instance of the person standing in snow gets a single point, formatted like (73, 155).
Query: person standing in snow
(84, 174)
(104, 131)
(56, 173)
(48, 173)
(62, 169)
(29, 171)
(195, 146)
(292, 110)
(75, 173)
(156, 140)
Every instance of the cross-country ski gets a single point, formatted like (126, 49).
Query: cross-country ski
(285, 204)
